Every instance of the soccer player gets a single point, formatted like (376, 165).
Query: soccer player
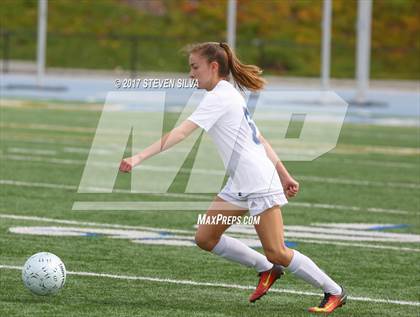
(258, 182)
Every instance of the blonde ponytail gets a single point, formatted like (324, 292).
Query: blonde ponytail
(245, 76)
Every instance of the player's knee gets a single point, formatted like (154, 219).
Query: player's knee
(204, 242)
(278, 255)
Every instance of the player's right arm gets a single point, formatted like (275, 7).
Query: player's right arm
(290, 185)
(171, 138)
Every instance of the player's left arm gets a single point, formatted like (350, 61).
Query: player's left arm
(290, 185)
(171, 138)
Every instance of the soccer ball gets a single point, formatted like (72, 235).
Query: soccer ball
(44, 274)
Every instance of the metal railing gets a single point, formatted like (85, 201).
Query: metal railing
(150, 53)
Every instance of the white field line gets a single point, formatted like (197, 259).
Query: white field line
(387, 136)
(367, 162)
(92, 224)
(44, 141)
(340, 149)
(138, 236)
(386, 150)
(174, 195)
(344, 148)
(218, 172)
(97, 189)
(158, 169)
(62, 128)
(36, 184)
(358, 245)
(191, 232)
(347, 208)
(87, 150)
(51, 127)
(200, 205)
(74, 107)
(65, 150)
(27, 136)
(223, 285)
(46, 127)
(356, 182)
(19, 150)
(293, 231)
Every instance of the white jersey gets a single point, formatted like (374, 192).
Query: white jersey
(224, 116)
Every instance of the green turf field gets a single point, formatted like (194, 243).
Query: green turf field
(371, 177)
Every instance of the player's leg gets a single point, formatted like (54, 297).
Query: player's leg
(271, 233)
(272, 239)
(270, 230)
(210, 237)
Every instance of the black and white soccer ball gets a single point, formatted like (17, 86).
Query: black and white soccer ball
(44, 274)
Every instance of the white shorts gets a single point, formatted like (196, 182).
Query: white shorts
(255, 203)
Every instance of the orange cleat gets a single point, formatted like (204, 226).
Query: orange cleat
(330, 303)
(267, 279)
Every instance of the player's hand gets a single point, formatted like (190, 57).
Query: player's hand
(290, 187)
(128, 164)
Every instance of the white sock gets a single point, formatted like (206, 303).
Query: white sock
(306, 269)
(235, 250)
